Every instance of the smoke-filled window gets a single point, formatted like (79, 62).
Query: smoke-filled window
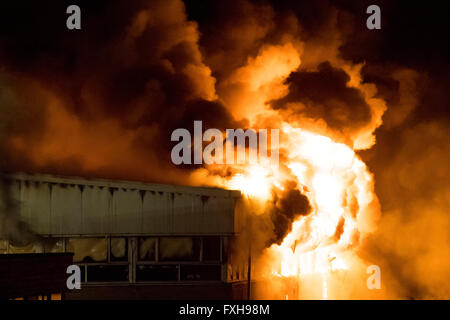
(88, 249)
(3, 246)
(30, 248)
(118, 249)
(52, 245)
(179, 249)
(147, 249)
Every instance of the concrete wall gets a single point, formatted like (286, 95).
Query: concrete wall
(73, 206)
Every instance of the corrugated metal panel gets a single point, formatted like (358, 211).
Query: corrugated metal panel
(155, 213)
(73, 206)
(37, 209)
(96, 210)
(66, 213)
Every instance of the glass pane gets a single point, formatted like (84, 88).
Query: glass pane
(147, 249)
(211, 248)
(52, 245)
(156, 273)
(200, 273)
(107, 273)
(119, 249)
(30, 248)
(179, 249)
(88, 249)
(3, 246)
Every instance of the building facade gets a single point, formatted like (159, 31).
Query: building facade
(134, 240)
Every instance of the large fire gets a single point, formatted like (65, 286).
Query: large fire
(340, 189)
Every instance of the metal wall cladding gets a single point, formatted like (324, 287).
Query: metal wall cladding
(73, 206)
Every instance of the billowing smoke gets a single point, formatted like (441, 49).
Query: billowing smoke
(15, 109)
(409, 160)
(288, 206)
(410, 163)
(12, 227)
(114, 97)
(324, 96)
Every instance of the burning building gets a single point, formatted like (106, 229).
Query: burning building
(133, 240)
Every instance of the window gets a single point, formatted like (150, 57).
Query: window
(147, 249)
(179, 249)
(200, 272)
(29, 248)
(3, 246)
(107, 273)
(101, 259)
(52, 245)
(157, 272)
(118, 249)
(157, 258)
(88, 249)
(83, 273)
